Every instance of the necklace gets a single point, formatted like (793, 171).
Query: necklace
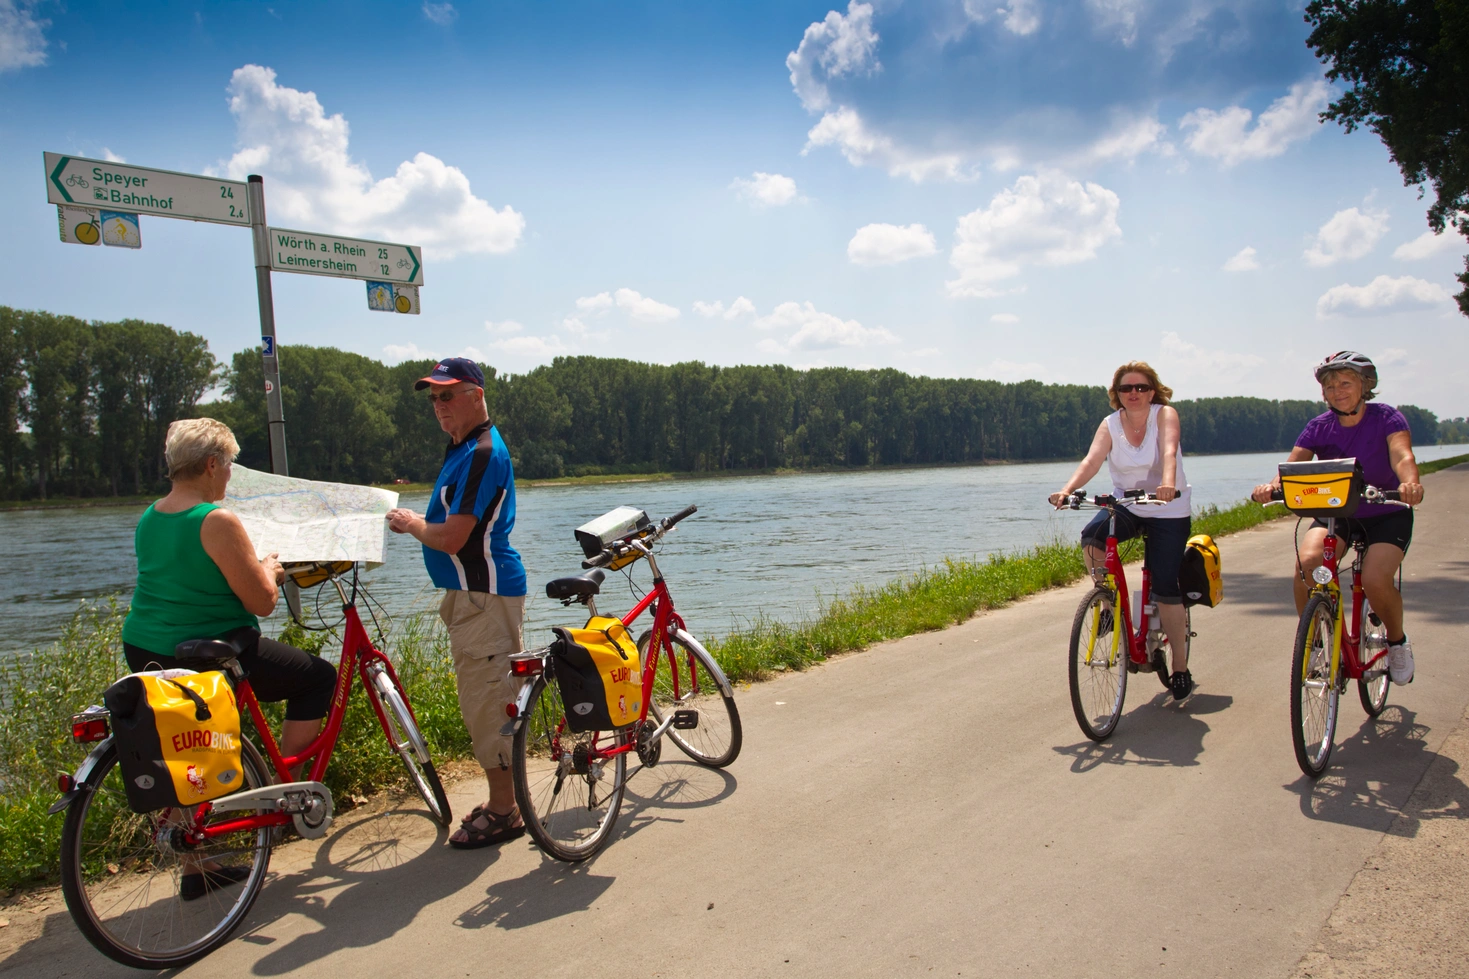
(1131, 430)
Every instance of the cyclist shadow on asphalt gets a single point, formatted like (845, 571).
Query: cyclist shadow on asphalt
(1160, 732)
(554, 888)
(1439, 594)
(1373, 774)
(368, 881)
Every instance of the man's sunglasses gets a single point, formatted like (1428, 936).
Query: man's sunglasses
(1129, 388)
(446, 397)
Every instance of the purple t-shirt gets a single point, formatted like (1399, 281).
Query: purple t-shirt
(1365, 441)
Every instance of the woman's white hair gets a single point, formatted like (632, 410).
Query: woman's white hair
(192, 442)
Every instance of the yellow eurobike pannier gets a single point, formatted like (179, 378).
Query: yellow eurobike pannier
(1322, 487)
(178, 737)
(1201, 576)
(599, 676)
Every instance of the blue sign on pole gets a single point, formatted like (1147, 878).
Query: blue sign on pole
(267, 345)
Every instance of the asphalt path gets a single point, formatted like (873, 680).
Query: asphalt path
(928, 806)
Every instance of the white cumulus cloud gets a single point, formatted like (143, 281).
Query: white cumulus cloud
(807, 328)
(710, 310)
(831, 48)
(1183, 360)
(22, 36)
(889, 244)
(1021, 17)
(1226, 135)
(1428, 245)
(1243, 260)
(442, 14)
(397, 353)
(636, 305)
(313, 182)
(540, 348)
(844, 129)
(1382, 295)
(1131, 139)
(1349, 234)
(1044, 219)
(766, 189)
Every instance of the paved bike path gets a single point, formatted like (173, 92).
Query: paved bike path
(930, 807)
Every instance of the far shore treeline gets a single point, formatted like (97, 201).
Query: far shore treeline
(84, 407)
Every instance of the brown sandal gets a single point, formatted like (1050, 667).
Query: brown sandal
(497, 828)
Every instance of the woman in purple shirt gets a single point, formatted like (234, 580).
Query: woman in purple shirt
(1377, 436)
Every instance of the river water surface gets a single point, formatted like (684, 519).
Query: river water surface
(759, 545)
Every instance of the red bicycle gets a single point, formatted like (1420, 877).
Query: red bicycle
(1096, 664)
(569, 785)
(122, 872)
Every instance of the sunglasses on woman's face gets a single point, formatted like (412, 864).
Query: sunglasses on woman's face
(1129, 388)
(446, 397)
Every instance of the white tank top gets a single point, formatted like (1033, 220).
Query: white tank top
(1141, 467)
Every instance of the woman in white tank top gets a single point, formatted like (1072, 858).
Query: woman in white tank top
(1141, 445)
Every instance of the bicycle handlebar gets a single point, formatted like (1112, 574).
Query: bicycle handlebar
(620, 548)
(1370, 494)
(1103, 501)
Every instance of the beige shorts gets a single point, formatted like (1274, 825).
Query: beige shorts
(484, 630)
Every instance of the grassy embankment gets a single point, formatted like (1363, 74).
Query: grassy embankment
(42, 690)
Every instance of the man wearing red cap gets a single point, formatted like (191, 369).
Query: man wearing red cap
(465, 533)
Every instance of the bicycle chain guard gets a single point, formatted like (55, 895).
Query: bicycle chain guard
(308, 803)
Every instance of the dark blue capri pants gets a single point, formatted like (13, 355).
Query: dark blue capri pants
(1166, 540)
(276, 672)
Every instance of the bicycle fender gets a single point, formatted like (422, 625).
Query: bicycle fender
(83, 772)
(719, 677)
(522, 700)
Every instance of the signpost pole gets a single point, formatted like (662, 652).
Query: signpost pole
(269, 354)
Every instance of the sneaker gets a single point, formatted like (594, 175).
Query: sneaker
(1104, 622)
(1400, 662)
(1182, 684)
(194, 886)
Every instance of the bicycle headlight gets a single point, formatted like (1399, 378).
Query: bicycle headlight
(1322, 575)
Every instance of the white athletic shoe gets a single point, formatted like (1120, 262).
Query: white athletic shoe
(1400, 662)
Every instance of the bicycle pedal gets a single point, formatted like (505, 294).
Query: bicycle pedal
(685, 720)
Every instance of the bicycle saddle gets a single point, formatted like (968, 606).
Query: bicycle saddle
(226, 647)
(580, 586)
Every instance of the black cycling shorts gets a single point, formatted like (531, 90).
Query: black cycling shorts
(276, 672)
(1394, 528)
(1167, 539)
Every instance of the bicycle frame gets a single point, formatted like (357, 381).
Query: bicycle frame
(358, 653)
(1347, 633)
(1137, 641)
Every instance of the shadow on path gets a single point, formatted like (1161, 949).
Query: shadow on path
(1161, 732)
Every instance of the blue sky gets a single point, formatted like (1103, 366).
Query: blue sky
(967, 188)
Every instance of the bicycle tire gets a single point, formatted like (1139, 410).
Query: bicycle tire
(409, 744)
(1098, 688)
(121, 873)
(563, 810)
(1314, 686)
(717, 738)
(1372, 689)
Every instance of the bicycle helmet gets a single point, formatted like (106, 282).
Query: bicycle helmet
(1349, 360)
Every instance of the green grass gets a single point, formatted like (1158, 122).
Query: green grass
(1424, 468)
(42, 690)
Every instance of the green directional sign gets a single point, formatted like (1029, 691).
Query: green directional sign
(79, 182)
(347, 258)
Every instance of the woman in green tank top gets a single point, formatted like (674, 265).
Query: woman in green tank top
(198, 578)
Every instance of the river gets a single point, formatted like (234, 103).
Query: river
(759, 545)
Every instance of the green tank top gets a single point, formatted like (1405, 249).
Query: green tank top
(181, 593)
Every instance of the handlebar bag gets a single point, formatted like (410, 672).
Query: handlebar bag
(1200, 576)
(598, 673)
(178, 737)
(1322, 487)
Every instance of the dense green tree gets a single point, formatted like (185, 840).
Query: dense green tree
(1453, 431)
(1407, 62)
(1422, 423)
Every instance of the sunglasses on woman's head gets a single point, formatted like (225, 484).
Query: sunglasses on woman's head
(1129, 388)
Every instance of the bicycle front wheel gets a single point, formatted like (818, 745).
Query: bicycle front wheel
(1373, 684)
(1097, 664)
(1314, 686)
(568, 785)
(706, 722)
(408, 741)
(139, 892)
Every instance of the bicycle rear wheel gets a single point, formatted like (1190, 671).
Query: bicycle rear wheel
(408, 741)
(716, 736)
(568, 788)
(1373, 684)
(1097, 664)
(1314, 686)
(138, 892)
